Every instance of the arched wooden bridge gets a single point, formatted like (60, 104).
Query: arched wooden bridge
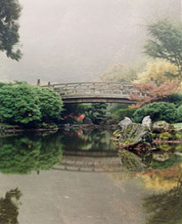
(95, 92)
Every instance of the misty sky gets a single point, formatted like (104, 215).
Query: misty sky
(76, 40)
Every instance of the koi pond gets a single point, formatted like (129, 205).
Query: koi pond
(79, 177)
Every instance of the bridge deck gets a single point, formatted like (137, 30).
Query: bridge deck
(95, 92)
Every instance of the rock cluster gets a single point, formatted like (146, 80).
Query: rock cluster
(133, 136)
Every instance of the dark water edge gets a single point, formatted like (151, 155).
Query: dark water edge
(16, 129)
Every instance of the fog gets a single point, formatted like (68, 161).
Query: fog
(76, 40)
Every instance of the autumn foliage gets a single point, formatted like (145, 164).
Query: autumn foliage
(150, 92)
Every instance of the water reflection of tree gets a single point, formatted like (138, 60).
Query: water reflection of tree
(9, 208)
(99, 140)
(74, 140)
(87, 139)
(165, 207)
(22, 154)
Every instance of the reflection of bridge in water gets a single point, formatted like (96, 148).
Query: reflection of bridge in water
(95, 92)
(90, 161)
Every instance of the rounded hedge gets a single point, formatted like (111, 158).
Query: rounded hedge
(158, 111)
(27, 105)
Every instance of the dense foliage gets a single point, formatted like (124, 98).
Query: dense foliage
(158, 111)
(50, 105)
(96, 112)
(116, 106)
(27, 105)
(19, 104)
(174, 98)
(9, 37)
(72, 112)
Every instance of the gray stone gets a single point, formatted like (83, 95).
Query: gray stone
(147, 121)
(126, 121)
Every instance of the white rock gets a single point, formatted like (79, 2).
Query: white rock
(126, 121)
(147, 121)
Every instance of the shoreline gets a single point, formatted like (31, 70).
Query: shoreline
(68, 127)
(17, 129)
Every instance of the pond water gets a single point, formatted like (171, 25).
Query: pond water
(79, 177)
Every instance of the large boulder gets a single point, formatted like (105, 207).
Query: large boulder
(133, 137)
(162, 126)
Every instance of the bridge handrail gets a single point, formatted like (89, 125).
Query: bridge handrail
(89, 83)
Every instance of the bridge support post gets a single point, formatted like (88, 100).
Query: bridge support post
(38, 82)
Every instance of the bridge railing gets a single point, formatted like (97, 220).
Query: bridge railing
(104, 89)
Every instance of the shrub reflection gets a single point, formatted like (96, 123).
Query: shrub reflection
(23, 154)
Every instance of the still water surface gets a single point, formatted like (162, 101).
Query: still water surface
(78, 177)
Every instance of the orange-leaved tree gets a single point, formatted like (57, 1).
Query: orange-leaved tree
(150, 92)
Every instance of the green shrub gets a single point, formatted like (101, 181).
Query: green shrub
(158, 111)
(179, 112)
(27, 105)
(122, 113)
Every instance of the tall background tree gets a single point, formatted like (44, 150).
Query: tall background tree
(165, 42)
(9, 37)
